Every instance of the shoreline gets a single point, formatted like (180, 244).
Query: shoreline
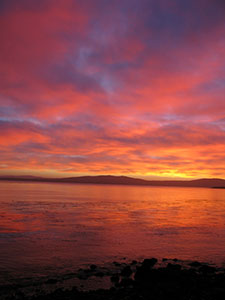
(147, 279)
(217, 183)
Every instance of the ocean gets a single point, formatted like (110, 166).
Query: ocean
(56, 228)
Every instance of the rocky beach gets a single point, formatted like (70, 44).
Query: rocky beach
(147, 279)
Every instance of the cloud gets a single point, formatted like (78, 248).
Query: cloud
(133, 87)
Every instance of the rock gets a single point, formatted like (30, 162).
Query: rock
(82, 276)
(99, 274)
(93, 267)
(126, 272)
(195, 264)
(134, 262)
(207, 269)
(171, 282)
(125, 282)
(143, 274)
(115, 278)
(173, 267)
(149, 263)
(116, 264)
(220, 280)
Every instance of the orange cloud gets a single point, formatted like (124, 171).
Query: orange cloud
(124, 88)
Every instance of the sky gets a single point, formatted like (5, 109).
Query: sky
(121, 87)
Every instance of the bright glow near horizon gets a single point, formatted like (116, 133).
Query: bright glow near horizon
(112, 87)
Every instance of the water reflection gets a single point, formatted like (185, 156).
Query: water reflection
(48, 227)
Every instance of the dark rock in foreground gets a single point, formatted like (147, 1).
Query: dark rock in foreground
(195, 281)
(126, 272)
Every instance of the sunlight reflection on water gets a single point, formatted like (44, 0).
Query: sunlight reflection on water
(49, 227)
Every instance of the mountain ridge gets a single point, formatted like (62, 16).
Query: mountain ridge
(122, 180)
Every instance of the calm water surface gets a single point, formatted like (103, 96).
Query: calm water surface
(48, 227)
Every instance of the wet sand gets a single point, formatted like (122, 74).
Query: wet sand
(148, 279)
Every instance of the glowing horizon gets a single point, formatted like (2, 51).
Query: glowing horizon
(132, 88)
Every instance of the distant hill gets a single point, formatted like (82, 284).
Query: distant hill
(123, 180)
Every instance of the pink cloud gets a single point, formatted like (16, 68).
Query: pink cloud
(112, 89)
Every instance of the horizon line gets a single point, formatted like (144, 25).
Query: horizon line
(108, 175)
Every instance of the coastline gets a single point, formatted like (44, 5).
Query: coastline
(121, 180)
(147, 279)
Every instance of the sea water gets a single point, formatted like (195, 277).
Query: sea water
(49, 228)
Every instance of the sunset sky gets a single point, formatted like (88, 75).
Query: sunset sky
(121, 87)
